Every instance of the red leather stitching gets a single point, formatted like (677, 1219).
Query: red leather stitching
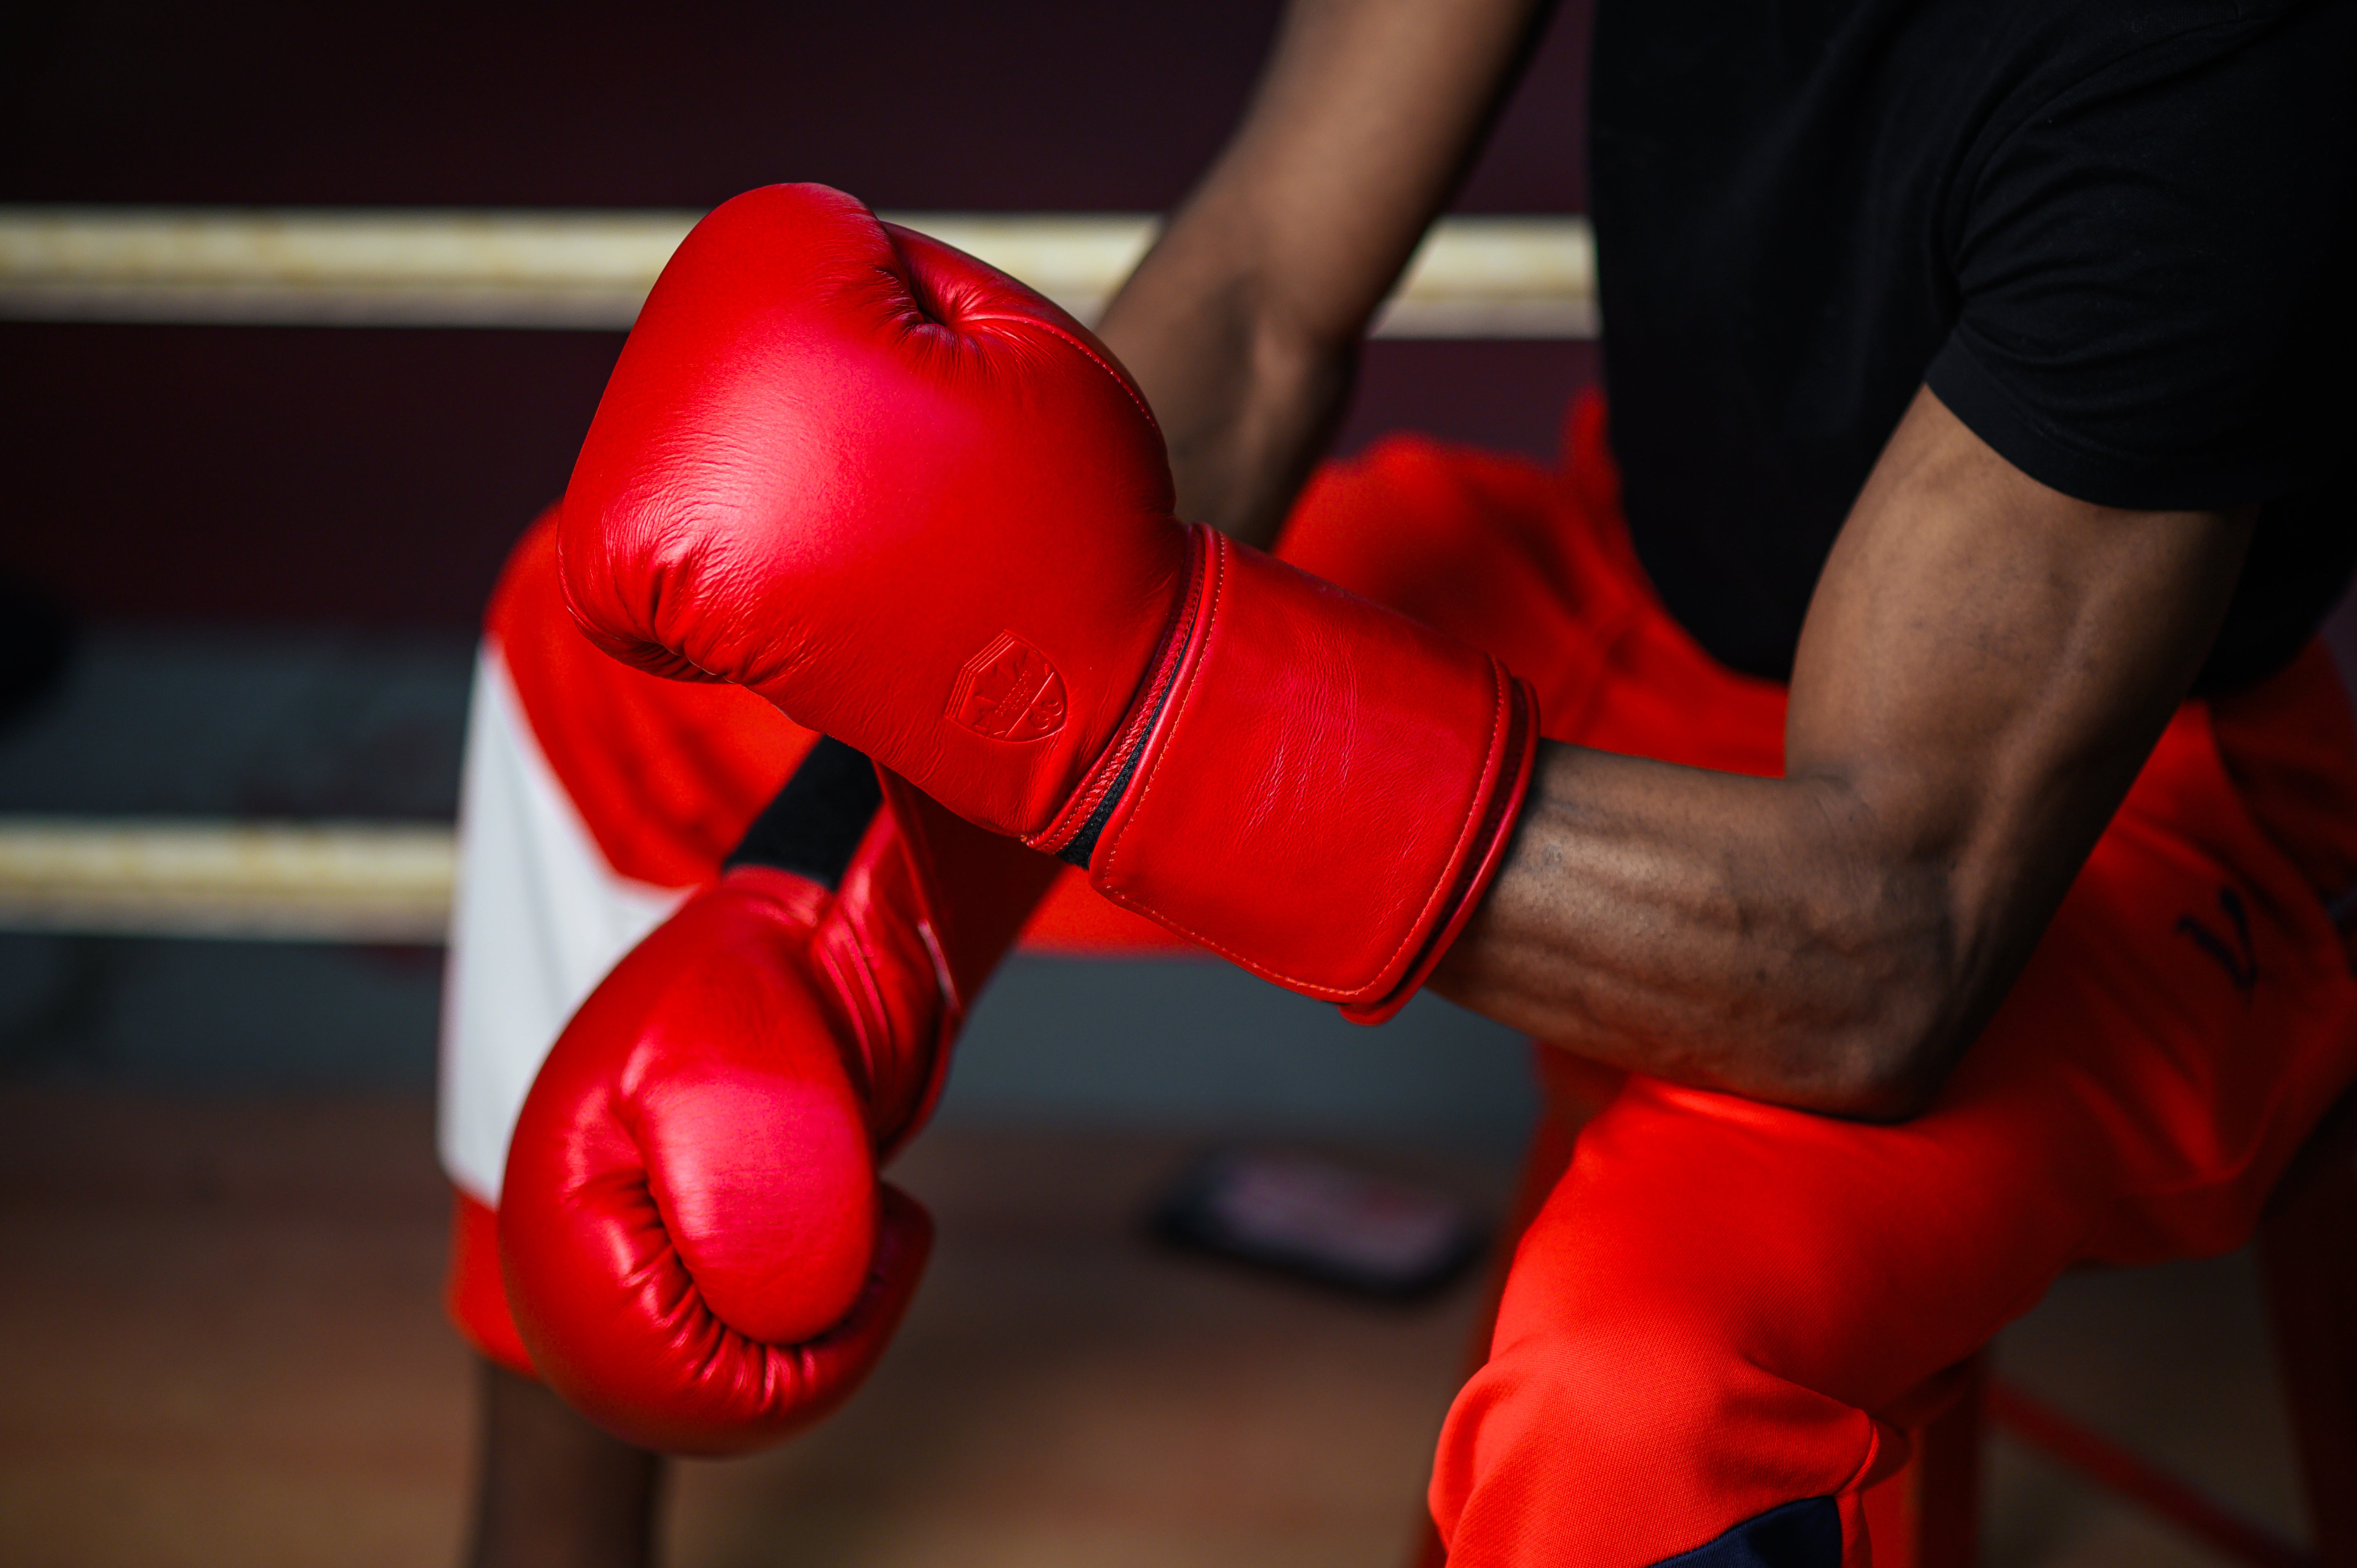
(1095, 358)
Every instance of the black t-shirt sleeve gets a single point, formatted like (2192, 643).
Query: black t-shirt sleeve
(2152, 267)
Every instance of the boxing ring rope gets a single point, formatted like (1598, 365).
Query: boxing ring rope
(1478, 277)
(1473, 277)
(320, 882)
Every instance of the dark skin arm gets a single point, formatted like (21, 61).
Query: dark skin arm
(1243, 323)
(1984, 666)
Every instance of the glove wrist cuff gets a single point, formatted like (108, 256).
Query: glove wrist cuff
(1323, 788)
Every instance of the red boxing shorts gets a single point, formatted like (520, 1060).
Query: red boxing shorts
(1723, 1313)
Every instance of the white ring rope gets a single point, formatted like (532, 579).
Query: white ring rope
(1474, 278)
(369, 882)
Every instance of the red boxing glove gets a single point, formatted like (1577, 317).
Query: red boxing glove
(698, 1253)
(921, 509)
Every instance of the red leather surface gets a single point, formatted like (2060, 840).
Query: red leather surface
(667, 774)
(921, 509)
(839, 463)
(1319, 783)
(697, 1251)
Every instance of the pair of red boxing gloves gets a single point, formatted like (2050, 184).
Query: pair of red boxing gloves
(925, 513)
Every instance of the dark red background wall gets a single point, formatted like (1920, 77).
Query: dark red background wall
(377, 476)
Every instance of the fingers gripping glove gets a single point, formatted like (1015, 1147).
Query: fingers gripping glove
(921, 509)
(697, 1249)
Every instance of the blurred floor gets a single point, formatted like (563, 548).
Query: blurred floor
(225, 1347)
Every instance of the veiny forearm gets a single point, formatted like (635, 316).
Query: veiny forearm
(1747, 934)
(1985, 665)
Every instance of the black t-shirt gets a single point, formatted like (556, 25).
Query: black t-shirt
(2114, 236)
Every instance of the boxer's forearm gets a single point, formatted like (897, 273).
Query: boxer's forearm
(1985, 665)
(1242, 324)
(1731, 932)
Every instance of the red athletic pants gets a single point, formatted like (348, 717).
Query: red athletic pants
(1723, 1312)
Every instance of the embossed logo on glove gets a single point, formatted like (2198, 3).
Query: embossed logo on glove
(1009, 691)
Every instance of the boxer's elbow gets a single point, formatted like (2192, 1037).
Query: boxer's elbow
(1918, 916)
(1888, 1073)
(1906, 1007)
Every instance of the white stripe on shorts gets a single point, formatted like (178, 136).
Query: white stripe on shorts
(538, 918)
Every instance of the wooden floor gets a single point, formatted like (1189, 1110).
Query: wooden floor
(224, 1347)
